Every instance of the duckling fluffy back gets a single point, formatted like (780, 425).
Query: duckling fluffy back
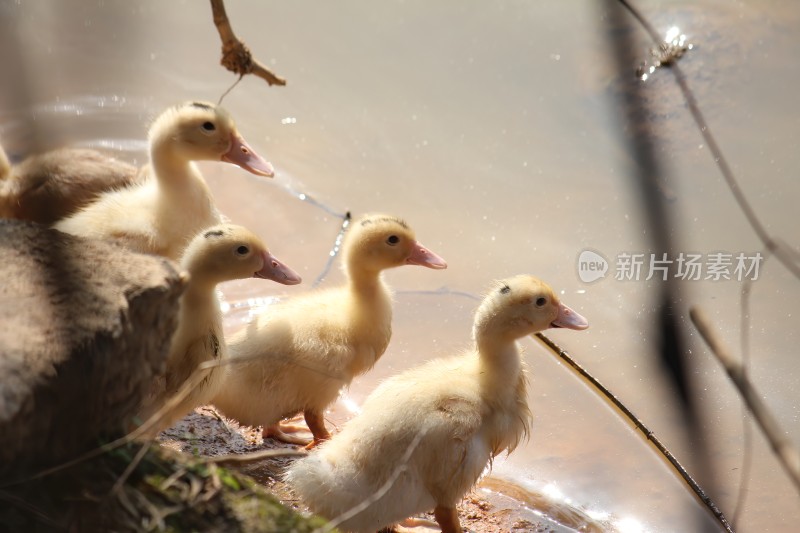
(425, 436)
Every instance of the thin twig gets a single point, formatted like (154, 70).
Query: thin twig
(597, 385)
(255, 456)
(781, 445)
(747, 429)
(236, 56)
(167, 483)
(219, 417)
(130, 468)
(229, 89)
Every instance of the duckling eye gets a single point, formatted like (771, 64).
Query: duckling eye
(208, 126)
(392, 240)
(242, 250)
(540, 301)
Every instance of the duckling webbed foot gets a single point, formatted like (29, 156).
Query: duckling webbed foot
(316, 423)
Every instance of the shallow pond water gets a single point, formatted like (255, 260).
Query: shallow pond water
(490, 128)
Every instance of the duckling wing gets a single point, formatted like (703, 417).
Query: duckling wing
(459, 417)
(454, 448)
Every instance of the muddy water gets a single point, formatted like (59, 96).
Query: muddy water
(489, 128)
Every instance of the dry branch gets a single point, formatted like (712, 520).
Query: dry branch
(255, 456)
(622, 408)
(236, 56)
(781, 445)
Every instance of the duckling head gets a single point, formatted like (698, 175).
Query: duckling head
(377, 242)
(521, 306)
(201, 131)
(226, 252)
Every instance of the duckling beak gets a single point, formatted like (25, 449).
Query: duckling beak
(242, 155)
(567, 318)
(277, 271)
(423, 257)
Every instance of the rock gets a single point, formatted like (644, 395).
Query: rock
(161, 490)
(84, 327)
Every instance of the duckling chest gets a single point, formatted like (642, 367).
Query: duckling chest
(367, 346)
(507, 418)
(177, 222)
(368, 333)
(200, 328)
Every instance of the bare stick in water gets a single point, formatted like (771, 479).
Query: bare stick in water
(595, 383)
(781, 445)
(236, 56)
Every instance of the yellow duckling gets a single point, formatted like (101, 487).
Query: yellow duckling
(173, 203)
(47, 187)
(308, 348)
(220, 253)
(437, 426)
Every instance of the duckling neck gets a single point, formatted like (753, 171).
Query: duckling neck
(199, 302)
(170, 167)
(164, 157)
(500, 363)
(183, 204)
(369, 312)
(364, 281)
(370, 297)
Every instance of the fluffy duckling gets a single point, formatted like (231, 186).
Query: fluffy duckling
(220, 253)
(307, 349)
(47, 187)
(173, 203)
(444, 421)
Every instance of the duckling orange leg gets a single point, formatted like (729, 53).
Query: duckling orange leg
(316, 423)
(447, 518)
